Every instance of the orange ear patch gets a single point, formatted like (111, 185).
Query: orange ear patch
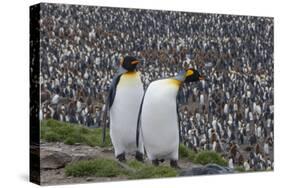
(189, 72)
(174, 82)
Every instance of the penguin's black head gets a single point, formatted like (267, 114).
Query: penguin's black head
(129, 63)
(193, 75)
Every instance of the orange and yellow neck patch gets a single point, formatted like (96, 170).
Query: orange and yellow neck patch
(130, 74)
(129, 78)
(174, 82)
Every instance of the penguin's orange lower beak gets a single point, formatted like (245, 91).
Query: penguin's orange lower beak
(135, 62)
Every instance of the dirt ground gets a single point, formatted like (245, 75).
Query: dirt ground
(77, 152)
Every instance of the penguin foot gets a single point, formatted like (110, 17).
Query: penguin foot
(139, 156)
(121, 157)
(174, 164)
(155, 162)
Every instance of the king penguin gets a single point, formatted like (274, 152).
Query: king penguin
(124, 100)
(158, 125)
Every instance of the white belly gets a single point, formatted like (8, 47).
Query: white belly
(124, 115)
(160, 121)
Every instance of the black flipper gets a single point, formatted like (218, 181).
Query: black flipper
(110, 99)
(104, 124)
(179, 119)
(139, 121)
(112, 91)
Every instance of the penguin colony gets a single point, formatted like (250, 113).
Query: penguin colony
(145, 121)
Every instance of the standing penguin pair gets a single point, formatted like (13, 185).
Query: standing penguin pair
(147, 120)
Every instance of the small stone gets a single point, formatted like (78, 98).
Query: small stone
(89, 179)
(204, 170)
(53, 159)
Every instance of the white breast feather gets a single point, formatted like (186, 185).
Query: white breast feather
(160, 121)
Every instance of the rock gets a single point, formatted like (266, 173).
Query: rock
(50, 159)
(89, 179)
(82, 156)
(57, 155)
(107, 150)
(204, 170)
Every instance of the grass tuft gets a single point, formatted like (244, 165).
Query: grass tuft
(135, 164)
(57, 131)
(185, 152)
(206, 157)
(240, 169)
(110, 168)
(97, 167)
(149, 171)
(52, 137)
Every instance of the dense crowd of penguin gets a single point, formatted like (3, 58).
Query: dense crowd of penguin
(230, 111)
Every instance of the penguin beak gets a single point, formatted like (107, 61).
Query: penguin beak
(135, 62)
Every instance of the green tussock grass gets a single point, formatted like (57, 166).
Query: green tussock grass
(136, 164)
(202, 157)
(185, 152)
(150, 171)
(68, 133)
(98, 168)
(143, 171)
(110, 168)
(207, 157)
(239, 169)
